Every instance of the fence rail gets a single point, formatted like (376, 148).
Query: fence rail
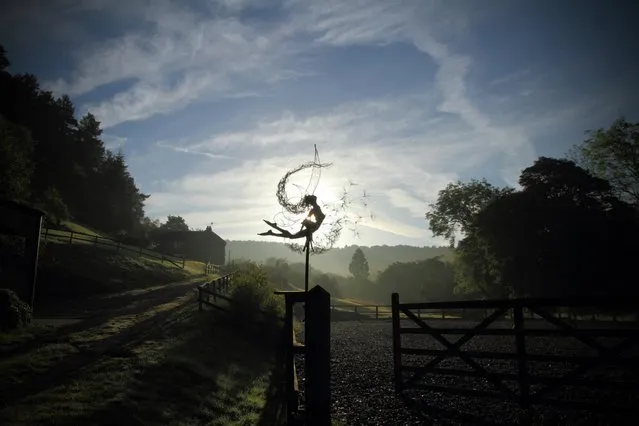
(73, 237)
(531, 388)
(471, 310)
(219, 288)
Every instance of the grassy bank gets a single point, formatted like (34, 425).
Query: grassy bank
(196, 368)
(81, 269)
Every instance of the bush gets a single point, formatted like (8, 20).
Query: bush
(255, 306)
(14, 313)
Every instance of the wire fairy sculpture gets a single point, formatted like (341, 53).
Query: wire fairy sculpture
(293, 206)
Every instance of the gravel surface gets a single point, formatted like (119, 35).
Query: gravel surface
(363, 392)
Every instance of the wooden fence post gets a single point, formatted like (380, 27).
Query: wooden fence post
(376, 312)
(95, 241)
(71, 237)
(46, 233)
(318, 357)
(522, 360)
(397, 343)
(182, 262)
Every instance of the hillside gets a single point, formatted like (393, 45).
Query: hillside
(337, 259)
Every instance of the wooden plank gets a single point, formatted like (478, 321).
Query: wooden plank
(538, 302)
(213, 305)
(469, 335)
(397, 343)
(464, 357)
(508, 356)
(611, 354)
(577, 333)
(522, 362)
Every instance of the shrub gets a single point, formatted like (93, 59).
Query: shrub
(14, 313)
(255, 305)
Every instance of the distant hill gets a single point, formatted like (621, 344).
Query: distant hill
(337, 259)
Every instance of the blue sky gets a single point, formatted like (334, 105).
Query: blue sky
(212, 101)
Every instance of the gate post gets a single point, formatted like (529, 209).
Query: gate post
(397, 356)
(318, 354)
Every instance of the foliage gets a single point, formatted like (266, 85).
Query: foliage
(14, 313)
(255, 303)
(51, 159)
(359, 265)
(16, 168)
(564, 234)
(174, 223)
(426, 280)
(456, 206)
(613, 155)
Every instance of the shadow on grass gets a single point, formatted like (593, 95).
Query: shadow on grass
(70, 366)
(99, 311)
(216, 375)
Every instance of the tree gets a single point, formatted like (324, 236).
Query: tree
(564, 234)
(425, 280)
(48, 158)
(359, 265)
(457, 204)
(16, 165)
(613, 155)
(174, 223)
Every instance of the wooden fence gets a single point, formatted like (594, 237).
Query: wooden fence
(384, 312)
(72, 237)
(316, 351)
(530, 387)
(219, 288)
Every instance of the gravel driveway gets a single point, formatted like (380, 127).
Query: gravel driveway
(363, 393)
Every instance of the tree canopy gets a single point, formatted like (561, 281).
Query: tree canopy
(52, 160)
(174, 223)
(564, 233)
(613, 154)
(456, 206)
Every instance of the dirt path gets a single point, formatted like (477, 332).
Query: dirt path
(109, 326)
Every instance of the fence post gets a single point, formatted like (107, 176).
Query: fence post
(376, 312)
(71, 237)
(419, 313)
(318, 357)
(46, 233)
(182, 262)
(520, 338)
(397, 356)
(95, 241)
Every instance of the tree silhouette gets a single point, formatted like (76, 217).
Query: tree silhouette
(174, 223)
(359, 265)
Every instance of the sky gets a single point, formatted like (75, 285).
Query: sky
(213, 101)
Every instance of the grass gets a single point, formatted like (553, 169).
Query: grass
(76, 227)
(195, 369)
(82, 269)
